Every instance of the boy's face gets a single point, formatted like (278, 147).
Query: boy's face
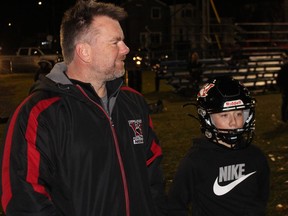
(228, 120)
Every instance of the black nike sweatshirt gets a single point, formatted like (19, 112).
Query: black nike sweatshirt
(213, 180)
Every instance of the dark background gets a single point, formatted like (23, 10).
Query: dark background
(29, 20)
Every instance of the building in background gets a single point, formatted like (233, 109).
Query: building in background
(148, 25)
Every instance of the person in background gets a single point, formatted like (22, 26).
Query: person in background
(223, 173)
(282, 82)
(44, 68)
(194, 67)
(82, 144)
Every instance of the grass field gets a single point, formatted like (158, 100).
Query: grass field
(175, 129)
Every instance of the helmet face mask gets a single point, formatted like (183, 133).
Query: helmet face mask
(224, 94)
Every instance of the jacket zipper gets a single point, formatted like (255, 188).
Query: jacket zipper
(116, 144)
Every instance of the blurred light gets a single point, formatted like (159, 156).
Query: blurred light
(137, 60)
(44, 43)
(40, 3)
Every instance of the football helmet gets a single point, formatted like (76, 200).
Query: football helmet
(223, 94)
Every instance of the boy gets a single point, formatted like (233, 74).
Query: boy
(223, 173)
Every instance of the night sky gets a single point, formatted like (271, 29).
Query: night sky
(28, 18)
(28, 15)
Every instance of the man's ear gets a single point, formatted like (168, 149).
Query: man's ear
(83, 51)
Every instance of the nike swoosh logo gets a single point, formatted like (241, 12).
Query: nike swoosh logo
(221, 190)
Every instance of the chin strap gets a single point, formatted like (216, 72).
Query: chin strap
(189, 114)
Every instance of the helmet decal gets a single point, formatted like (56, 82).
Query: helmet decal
(233, 103)
(203, 92)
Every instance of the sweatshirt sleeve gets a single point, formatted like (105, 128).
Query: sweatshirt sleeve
(181, 190)
(264, 181)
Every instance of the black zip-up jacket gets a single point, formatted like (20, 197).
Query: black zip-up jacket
(65, 155)
(217, 181)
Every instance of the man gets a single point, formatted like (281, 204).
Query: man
(194, 67)
(82, 144)
(282, 82)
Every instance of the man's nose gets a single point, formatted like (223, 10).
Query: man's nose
(125, 49)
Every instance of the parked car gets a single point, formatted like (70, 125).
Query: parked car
(27, 59)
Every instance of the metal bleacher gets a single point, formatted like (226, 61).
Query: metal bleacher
(261, 57)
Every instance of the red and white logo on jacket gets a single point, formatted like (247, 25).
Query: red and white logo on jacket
(136, 126)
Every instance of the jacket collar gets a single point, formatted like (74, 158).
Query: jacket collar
(57, 74)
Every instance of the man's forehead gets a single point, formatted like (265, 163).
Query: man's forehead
(109, 27)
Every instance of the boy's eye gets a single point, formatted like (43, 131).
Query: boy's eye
(239, 113)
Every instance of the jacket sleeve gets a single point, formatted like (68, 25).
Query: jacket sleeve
(23, 189)
(155, 174)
